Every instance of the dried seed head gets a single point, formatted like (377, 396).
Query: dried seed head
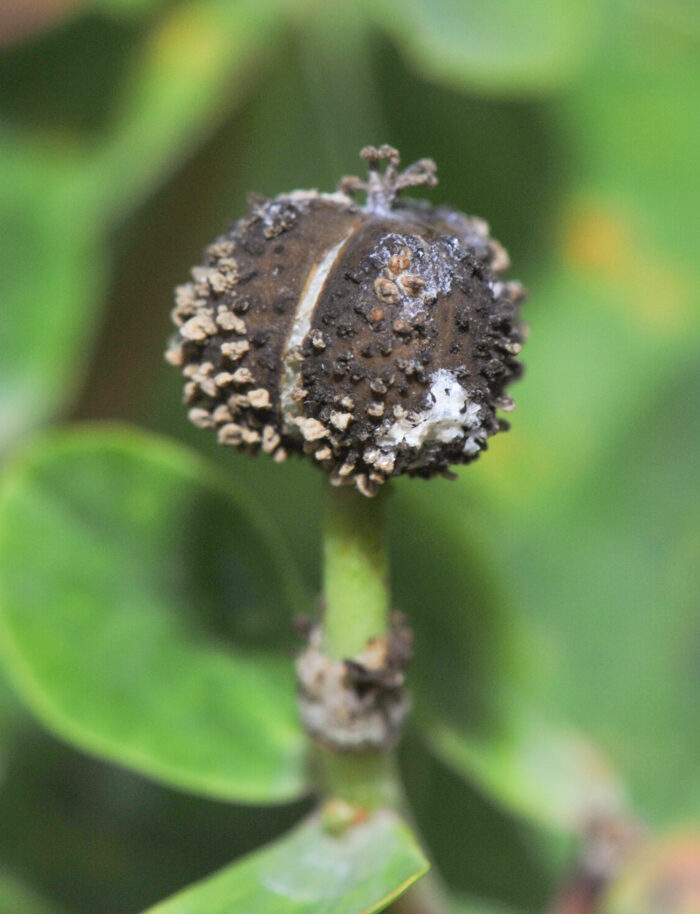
(378, 338)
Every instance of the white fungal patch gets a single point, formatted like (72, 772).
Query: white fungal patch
(341, 420)
(291, 357)
(227, 320)
(235, 350)
(448, 415)
(198, 328)
(311, 429)
(185, 298)
(284, 211)
(242, 376)
(472, 446)
(270, 439)
(174, 355)
(260, 398)
(308, 196)
(414, 271)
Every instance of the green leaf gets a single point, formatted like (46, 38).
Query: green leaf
(51, 272)
(506, 46)
(471, 713)
(548, 775)
(194, 67)
(59, 194)
(16, 897)
(131, 578)
(603, 576)
(125, 8)
(585, 509)
(310, 871)
(472, 906)
(619, 560)
(451, 598)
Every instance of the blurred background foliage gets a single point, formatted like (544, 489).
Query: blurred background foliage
(562, 567)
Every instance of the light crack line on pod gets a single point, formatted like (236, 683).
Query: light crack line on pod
(291, 357)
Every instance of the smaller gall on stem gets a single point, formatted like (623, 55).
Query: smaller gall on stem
(377, 339)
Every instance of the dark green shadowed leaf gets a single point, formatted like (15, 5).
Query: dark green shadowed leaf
(131, 580)
(310, 871)
(505, 46)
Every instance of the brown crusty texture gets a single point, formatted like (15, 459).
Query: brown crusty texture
(377, 339)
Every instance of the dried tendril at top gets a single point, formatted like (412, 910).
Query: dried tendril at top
(377, 339)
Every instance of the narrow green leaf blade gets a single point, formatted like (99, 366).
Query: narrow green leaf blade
(310, 871)
(130, 575)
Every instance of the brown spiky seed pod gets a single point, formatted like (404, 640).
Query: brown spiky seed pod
(378, 339)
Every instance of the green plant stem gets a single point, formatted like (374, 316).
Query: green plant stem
(356, 596)
(369, 781)
(356, 571)
(357, 603)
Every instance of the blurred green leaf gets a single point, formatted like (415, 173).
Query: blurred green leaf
(197, 63)
(585, 509)
(15, 898)
(481, 850)
(629, 119)
(597, 481)
(6, 715)
(126, 7)
(51, 271)
(603, 577)
(100, 838)
(620, 661)
(471, 712)
(58, 199)
(600, 350)
(549, 775)
(472, 906)
(310, 871)
(109, 543)
(513, 47)
(451, 598)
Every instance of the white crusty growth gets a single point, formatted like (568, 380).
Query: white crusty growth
(448, 415)
(428, 270)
